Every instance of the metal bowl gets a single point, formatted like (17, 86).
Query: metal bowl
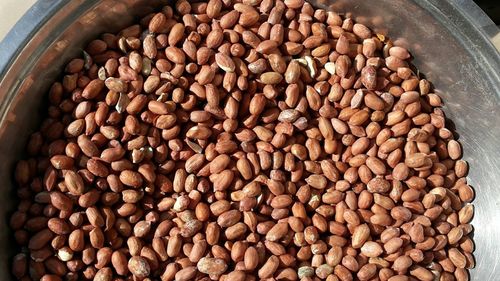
(448, 38)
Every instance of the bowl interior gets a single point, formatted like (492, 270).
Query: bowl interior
(447, 39)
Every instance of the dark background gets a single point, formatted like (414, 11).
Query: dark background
(491, 7)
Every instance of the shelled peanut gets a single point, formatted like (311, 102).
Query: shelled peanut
(243, 140)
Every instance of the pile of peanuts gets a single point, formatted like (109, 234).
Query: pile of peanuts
(243, 140)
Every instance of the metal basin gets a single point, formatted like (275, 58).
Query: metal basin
(449, 39)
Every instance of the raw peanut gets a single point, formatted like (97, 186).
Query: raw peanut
(157, 22)
(277, 232)
(401, 213)
(269, 267)
(305, 271)
(294, 4)
(139, 267)
(176, 33)
(455, 235)
(367, 271)
(219, 163)
(93, 89)
(360, 235)
(58, 226)
(229, 218)
(281, 201)
(76, 240)
(251, 258)
(211, 266)
(87, 146)
(104, 274)
(174, 245)
(466, 213)
(98, 168)
(115, 84)
(461, 168)
(393, 63)
(40, 239)
(76, 127)
(277, 63)
(378, 185)
(225, 62)
(119, 262)
(61, 162)
(317, 181)
(165, 121)
(175, 55)
(457, 258)
(369, 77)
(342, 65)
(235, 231)
(149, 46)
(393, 245)
(371, 249)
(96, 238)
(213, 8)
(214, 39)
(159, 108)
(248, 18)
(324, 270)
(89, 199)
(267, 46)
(243, 166)
(362, 31)
(186, 273)
(229, 19)
(342, 45)
(271, 78)
(454, 149)
(151, 84)
(131, 178)
(19, 265)
(170, 271)
(399, 52)
(402, 263)
(61, 201)
(74, 183)
(198, 251)
(376, 165)
(94, 217)
(228, 139)
(292, 72)
(238, 275)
